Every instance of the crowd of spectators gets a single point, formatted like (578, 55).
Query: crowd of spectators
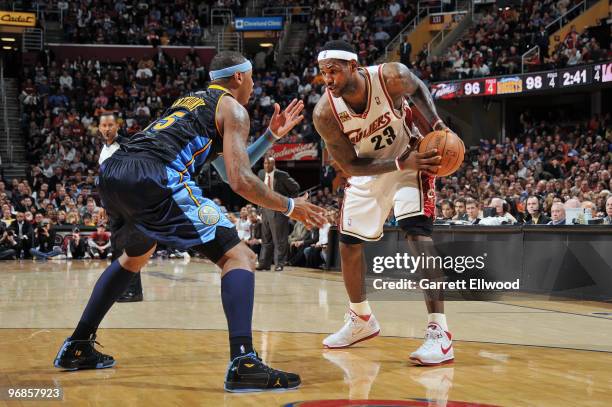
(158, 22)
(62, 100)
(578, 48)
(496, 42)
(552, 160)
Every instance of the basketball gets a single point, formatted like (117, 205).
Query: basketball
(449, 146)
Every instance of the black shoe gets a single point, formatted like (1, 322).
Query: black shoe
(260, 268)
(81, 354)
(130, 297)
(249, 374)
(278, 268)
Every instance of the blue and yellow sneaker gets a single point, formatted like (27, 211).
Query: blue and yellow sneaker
(247, 373)
(81, 354)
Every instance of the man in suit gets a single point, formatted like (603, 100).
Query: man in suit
(23, 234)
(405, 50)
(541, 40)
(299, 256)
(254, 241)
(275, 225)
(296, 238)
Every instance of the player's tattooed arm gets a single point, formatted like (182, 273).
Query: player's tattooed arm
(234, 122)
(400, 81)
(341, 148)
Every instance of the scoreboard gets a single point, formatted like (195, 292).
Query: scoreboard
(582, 75)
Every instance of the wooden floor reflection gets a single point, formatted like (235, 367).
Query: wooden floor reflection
(171, 348)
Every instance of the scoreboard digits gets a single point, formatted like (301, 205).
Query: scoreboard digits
(531, 82)
(471, 88)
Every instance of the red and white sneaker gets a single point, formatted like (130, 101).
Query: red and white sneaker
(437, 348)
(356, 329)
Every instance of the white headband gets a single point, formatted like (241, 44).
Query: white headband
(337, 54)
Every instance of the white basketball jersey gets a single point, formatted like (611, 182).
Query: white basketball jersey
(381, 131)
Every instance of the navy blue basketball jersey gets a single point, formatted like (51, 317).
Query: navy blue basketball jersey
(186, 135)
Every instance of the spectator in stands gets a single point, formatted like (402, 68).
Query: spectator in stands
(296, 238)
(608, 218)
(381, 37)
(22, 231)
(460, 210)
(77, 248)
(541, 41)
(7, 217)
(405, 51)
(472, 211)
(9, 246)
(535, 214)
(243, 225)
(254, 241)
(448, 210)
(90, 209)
(99, 243)
(557, 214)
(43, 243)
(497, 213)
(316, 254)
(299, 258)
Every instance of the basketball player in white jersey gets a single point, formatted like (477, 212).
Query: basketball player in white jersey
(369, 129)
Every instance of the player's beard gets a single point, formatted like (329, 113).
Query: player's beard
(350, 86)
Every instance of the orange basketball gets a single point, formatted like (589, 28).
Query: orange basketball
(449, 146)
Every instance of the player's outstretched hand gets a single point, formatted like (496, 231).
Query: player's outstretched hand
(428, 162)
(281, 123)
(307, 213)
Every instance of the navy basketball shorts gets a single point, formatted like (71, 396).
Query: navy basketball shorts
(149, 202)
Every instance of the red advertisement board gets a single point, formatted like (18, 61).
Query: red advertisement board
(295, 152)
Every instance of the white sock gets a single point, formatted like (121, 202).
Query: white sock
(439, 319)
(360, 308)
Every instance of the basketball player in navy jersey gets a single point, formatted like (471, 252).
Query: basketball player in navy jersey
(149, 192)
(369, 128)
(109, 131)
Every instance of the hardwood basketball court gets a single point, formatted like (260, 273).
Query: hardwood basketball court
(171, 349)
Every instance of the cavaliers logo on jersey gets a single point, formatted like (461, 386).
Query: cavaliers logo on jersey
(208, 215)
(344, 117)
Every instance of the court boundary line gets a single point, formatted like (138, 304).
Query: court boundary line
(327, 333)
(551, 310)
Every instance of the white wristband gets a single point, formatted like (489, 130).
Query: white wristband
(276, 137)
